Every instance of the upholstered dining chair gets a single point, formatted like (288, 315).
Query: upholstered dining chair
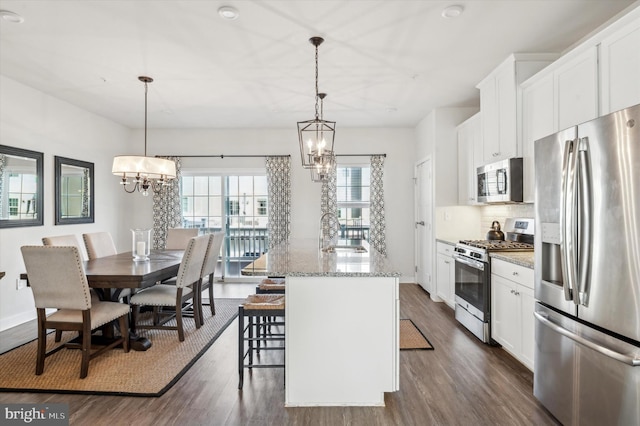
(209, 269)
(100, 244)
(67, 240)
(177, 238)
(176, 296)
(57, 279)
(64, 240)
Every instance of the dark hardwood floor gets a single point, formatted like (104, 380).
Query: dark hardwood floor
(461, 382)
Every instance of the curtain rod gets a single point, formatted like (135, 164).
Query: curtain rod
(223, 156)
(360, 155)
(258, 156)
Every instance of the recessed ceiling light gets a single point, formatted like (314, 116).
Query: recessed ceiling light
(452, 11)
(9, 16)
(228, 12)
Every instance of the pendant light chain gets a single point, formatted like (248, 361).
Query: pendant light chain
(317, 81)
(146, 89)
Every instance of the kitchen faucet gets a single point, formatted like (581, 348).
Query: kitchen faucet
(321, 242)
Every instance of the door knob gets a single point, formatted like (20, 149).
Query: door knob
(420, 223)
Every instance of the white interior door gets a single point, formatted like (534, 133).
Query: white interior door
(424, 224)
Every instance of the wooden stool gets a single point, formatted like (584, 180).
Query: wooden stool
(261, 310)
(271, 285)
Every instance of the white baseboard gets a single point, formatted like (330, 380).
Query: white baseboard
(7, 323)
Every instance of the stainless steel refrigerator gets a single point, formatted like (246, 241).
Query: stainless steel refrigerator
(587, 271)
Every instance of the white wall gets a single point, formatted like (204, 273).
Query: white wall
(32, 120)
(398, 144)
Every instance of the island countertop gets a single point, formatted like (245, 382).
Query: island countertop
(302, 258)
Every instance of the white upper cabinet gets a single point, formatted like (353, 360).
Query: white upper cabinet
(558, 97)
(538, 121)
(620, 68)
(600, 76)
(576, 88)
(469, 151)
(500, 104)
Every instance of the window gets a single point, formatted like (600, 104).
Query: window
(13, 207)
(353, 202)
(235, 204)
(22, 195)
(234, 207)
(262, 207)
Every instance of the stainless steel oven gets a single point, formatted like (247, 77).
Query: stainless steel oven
(473, 275)
(472, 292)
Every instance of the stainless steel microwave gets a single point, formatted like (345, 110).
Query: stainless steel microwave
(500, 182)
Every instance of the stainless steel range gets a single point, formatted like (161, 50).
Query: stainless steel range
(473, 274)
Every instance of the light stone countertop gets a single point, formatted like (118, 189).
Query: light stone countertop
(522, 258)
(302, 258)
(450, 241)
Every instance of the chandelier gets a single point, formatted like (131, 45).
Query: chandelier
(327, 159)
(146, 172)
(316, 136)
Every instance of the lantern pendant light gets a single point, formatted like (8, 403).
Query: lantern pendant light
(327, 160)
(316, 136)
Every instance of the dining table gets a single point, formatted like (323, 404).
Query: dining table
(109, 275)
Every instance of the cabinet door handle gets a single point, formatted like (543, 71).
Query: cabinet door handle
(515, 273)
(512, 291)
(517, 293)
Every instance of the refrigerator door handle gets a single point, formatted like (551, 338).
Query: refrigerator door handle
(585, 224)
(625, 359)
(567, 218)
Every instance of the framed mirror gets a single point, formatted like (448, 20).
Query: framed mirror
(74, 191)
(21, 187)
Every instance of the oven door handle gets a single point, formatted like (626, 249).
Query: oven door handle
(469, 262)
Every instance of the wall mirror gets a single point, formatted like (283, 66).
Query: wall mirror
(74, 191)
(21, 187)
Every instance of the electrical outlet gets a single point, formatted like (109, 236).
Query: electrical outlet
(20, 284)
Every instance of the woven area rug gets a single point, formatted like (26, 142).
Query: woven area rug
(148, 373)
(411, 337)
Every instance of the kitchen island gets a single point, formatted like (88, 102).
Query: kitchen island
(342, 323)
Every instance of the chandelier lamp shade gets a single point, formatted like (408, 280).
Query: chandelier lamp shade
(316, 136)
(146, 172)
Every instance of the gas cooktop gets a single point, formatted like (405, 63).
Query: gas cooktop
(496, 245)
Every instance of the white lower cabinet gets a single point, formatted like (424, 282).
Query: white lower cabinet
(512, 305)
(445, 273)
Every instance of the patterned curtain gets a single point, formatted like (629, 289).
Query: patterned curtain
(279, 188)
(329, 207)
(167, 207)
(3, 164)
(377, 233)
(85, 193)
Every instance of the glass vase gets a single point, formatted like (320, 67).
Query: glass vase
(141, 244)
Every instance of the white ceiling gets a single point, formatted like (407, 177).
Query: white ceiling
(383, 63)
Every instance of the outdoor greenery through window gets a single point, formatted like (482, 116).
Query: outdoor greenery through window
(353, 201)
(240, 203)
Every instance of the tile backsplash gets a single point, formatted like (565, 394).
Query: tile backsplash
(500, 212)
(454, 223)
